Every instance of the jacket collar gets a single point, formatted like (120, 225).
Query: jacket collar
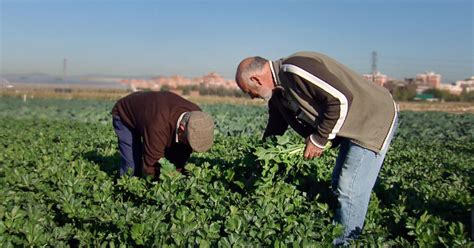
(275, 67)
(176, 138)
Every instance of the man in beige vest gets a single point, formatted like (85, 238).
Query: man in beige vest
(327, 103)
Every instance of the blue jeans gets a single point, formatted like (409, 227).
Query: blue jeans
(130, 148)
(353, 178)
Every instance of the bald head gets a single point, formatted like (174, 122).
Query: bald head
(254, 77)
(249, 67)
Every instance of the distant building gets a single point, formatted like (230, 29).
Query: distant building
(178, 82)
(140, 84)
(460, 86)
(377, 78)
(431, 79)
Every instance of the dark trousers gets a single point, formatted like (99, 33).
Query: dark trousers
(130, 147)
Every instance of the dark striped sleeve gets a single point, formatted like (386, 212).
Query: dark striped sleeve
(277, 123)
(280, 117)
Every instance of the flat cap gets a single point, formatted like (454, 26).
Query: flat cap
(200, 131)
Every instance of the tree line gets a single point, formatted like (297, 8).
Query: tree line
(400, 93)
(408, 93)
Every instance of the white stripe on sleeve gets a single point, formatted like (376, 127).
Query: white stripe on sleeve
(326, 87)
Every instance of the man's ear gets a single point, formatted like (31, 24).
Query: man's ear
(181, 127)
(256, 80)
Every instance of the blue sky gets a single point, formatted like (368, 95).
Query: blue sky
(193, 38)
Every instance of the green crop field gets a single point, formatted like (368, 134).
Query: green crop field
(59, 186)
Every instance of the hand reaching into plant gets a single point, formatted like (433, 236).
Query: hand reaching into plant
(311, 150)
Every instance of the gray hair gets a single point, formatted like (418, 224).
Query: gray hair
(254, 67)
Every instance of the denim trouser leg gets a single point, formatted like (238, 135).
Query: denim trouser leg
(130, 148)
(353, 178)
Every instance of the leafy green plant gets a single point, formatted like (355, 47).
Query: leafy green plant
(59, 186)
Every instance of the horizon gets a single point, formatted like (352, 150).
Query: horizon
(194, 38)
(88, 77)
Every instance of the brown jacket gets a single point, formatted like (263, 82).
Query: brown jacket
(153, 116)
(332, 99)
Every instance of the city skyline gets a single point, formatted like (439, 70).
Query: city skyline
(193, 38)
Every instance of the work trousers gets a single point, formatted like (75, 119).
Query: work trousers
(353, 178)
(130, 148)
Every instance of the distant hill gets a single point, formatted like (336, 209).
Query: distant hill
(82, 80)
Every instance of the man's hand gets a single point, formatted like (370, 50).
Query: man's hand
(311, 150)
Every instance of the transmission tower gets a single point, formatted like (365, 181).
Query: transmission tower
(374, 63)
(64, 69)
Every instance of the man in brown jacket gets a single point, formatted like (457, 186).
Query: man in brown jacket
(153, 125)
(327, 103)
